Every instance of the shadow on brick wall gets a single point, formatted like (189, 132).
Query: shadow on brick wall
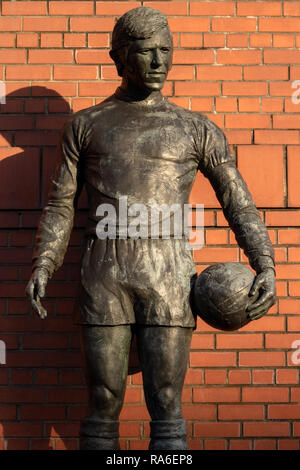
(45, 386)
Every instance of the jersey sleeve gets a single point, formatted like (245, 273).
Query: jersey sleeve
(213, 148)
(218, 164)
(57, 218)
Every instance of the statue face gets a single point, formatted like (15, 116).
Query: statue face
(149, 61)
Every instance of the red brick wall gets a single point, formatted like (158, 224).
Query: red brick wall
(234, 61)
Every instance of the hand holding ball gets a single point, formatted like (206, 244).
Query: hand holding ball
(221, 295)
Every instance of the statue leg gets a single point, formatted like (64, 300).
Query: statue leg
(164, 355)
(105, 350)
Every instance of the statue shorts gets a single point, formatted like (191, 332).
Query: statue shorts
(143, 281)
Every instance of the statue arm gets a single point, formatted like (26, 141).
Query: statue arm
(218, 165)
(57, 218)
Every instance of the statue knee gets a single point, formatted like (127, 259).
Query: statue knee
(165, 403)
(105, 402)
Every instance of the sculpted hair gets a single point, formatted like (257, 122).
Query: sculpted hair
(138, 23)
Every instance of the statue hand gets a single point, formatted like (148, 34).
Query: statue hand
(35, 290)
(264, 283)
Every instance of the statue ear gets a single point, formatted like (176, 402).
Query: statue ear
(116, 58)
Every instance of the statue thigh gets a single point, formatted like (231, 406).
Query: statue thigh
(164, 354)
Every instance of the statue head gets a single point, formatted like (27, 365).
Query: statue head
(142, 48)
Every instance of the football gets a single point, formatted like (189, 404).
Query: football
(221, 295)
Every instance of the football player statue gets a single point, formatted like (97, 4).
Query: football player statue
(138, 145)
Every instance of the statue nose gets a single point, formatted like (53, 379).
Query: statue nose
(157, 59)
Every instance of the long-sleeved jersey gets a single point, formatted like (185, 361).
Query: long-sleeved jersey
(149, 152)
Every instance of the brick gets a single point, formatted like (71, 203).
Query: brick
(289, 306)
(241, 444)
(8, 412)
(27, 39)
(237, 40)
(289, 236)
(24, 8)
(45, 24)
(193, 377)
(273, 195)
(215, 377)
(248, 121)
(214, 254)
(199, 412)
(21, 238)
(191, 40)
(28, 72)
(283, 40)
(193, 25)
(73, 72)
(115, 8)
(240, 412)
(97, 89)
(263, 376)
(236, 56)
(50, 40)
(260, 40)
(13, 56)
(294, 288)
(277, 137)
(181, 72)
(288, 444)
(197, 89)
(215, 444)
(275, 429)
(57, 88)
(10, 24)
(233, 24)
(46, 377)
(263, 358)
(71, 8)
(219, 72)
(265, 394)
(259, 9)
(239, 341)
(212, 359)
(74, 40)
(249, 105)
(7, 40)
(216, 237)
(279, 24)
(92, 24)
(293, 171)
(281, 56)
(244, 88)
(202, 342)
(286, 411)
(239, 377)
(283, 218)
(172, 8)
(210, 8)
(96, 56)
(287, 376)
(98, 40)
(23, 429)
(194, 57)
(266, 72)
(213, 40)
(239, 136)
(55, 56)
(217, 429)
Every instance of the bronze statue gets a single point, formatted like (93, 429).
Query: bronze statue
(138, 145)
